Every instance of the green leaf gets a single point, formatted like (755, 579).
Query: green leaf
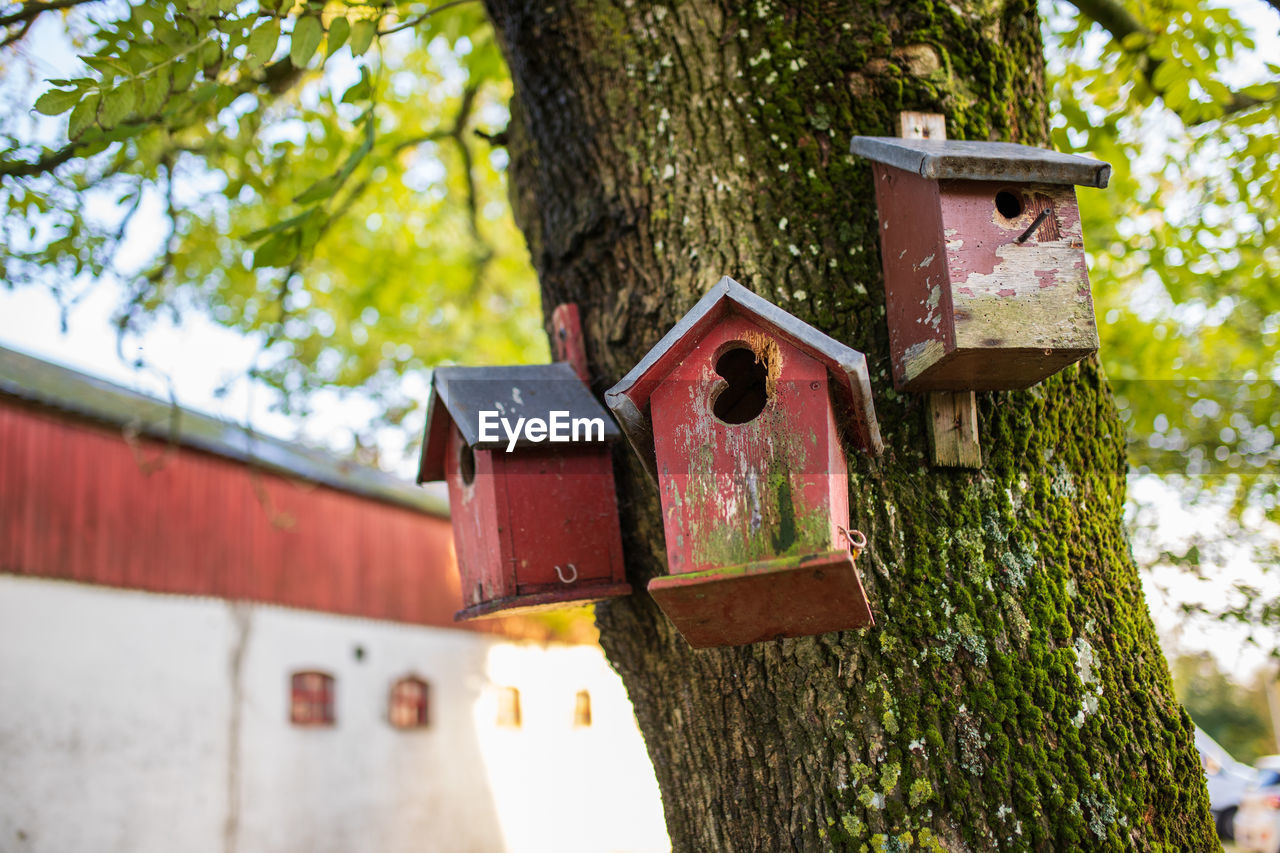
(211, 59)
(326, 187)
(1166, 73)
(339, 28)
(1136, 40)
(184, 72)
(107, 66)
(155, 91)
(319, 191)
(83, 115)
(359, 91)
(362, 33)
(306, 37)
(117, 104)
(262, 44)
(255, 236)
(278, 251)
(56, 102)
(205, 92)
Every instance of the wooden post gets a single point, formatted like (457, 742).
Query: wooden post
(952, 415)
(566, 340)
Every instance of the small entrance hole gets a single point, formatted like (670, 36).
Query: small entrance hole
(1008, 204)
(746, 395)
(467, 464)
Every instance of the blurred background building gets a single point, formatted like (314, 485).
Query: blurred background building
(217, 641)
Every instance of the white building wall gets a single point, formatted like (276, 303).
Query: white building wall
(137, 722)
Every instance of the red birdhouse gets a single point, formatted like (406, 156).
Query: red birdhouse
(525, 451)
(738, 414)
(984, 270)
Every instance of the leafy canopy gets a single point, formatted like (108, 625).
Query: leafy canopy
(319, 169)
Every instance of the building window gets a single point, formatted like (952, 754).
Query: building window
(407, 707)
(509, 707)
(582, 709)
(311, 699)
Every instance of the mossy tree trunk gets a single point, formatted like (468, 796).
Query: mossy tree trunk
(1012, 695)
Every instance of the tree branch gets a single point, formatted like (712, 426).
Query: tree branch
(31, 11)
(1117, 20)
(47, 162)
(17, 35)
(413, 22)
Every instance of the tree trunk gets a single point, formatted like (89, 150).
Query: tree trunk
(1012, 694)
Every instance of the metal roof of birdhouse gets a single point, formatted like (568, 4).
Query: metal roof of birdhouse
(942, 159)
(459, 394)
(847, 367)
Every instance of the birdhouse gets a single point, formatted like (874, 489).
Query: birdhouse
(738, 414)
(984, 270)
(525, 453)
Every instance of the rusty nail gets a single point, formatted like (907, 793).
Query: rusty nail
(1034, 225)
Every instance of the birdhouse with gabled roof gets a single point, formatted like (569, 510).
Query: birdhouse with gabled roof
(525, 453)
(741, 414)
(984, 268)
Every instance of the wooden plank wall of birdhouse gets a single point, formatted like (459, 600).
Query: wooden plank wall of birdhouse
(1009, 295)
(917, 296)
(480, 533)
(562, 510)
(736, 493)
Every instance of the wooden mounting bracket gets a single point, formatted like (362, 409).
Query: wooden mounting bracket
(567, 343)
(952, 415)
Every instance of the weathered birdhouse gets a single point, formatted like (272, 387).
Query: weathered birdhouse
(984, 269)
(738, 415)
(525, 452)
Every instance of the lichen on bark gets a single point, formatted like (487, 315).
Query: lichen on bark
(1012, 695)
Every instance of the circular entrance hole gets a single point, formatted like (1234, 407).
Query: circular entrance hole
(467, 464)
(1008, 204)
(746, 394)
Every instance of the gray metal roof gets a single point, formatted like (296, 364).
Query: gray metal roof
(460, 394)
(846, 366)
(55, 387)
(940, 159)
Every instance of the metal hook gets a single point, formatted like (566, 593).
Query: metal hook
(857, 540)
(563, 579)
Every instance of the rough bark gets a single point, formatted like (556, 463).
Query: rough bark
(1013, 694)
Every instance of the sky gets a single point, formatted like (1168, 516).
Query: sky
(205, 366)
